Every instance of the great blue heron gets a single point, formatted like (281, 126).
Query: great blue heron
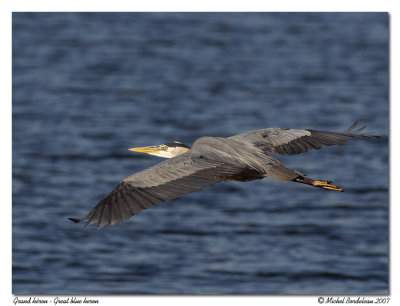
(211, 160)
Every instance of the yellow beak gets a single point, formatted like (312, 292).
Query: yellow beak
(149, 149)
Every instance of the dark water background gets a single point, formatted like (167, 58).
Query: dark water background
(86, 87)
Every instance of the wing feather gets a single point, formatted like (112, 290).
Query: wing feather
(165, 181)
(291, 141)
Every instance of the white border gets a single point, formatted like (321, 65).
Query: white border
(175, 5)
(205, 5)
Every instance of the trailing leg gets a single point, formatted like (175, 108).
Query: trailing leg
(316, 183)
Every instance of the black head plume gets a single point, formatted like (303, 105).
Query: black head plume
(176, 144)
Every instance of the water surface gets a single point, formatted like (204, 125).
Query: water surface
(88, 86)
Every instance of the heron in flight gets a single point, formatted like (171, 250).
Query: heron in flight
(210, 160)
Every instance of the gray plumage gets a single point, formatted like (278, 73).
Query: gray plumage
(211, 160)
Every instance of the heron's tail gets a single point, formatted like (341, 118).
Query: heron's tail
(317, 183)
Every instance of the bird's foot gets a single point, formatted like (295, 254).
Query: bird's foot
(326, 185)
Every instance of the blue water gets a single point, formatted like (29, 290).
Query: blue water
(88, 86)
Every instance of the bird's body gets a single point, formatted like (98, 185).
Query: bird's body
(211, 160)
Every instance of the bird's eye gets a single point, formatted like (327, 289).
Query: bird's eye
(164, 147)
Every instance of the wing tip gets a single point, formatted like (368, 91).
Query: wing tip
(351, 127)
(353, 132)
(75, 220)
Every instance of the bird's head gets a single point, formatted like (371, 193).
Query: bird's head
(168, 150)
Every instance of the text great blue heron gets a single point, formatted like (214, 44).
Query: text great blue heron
(211, 160)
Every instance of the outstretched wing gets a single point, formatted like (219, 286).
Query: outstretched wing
(290, 141)
(163, 182)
